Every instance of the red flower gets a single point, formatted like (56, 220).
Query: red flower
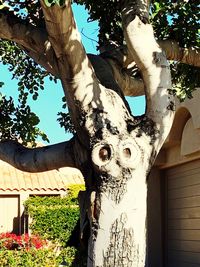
(12, 241)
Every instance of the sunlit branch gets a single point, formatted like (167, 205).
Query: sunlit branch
(153, 66)
(190, 56)
(173, 51)
(31, 39)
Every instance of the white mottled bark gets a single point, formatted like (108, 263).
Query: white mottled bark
(121, 236)
(155, 70)
(118, 209)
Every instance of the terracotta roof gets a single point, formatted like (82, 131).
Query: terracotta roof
(12, 179)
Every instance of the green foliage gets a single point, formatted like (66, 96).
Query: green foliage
(65, 122)
(30, 76)
(21, 123)
(179, 20)
(28, 258)
(18, 123)
(55, 222)
(185, 79)
(54, 218)
(67, 255)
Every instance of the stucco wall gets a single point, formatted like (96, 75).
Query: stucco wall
(181, 146)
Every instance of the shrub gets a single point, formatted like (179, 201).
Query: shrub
(54, 218)
(29, 258)
(11, 241)
(25, 250)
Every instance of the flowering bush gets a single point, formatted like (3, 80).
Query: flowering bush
(11, 241)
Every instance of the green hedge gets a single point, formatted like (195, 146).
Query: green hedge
(28, 258)
(54, 218)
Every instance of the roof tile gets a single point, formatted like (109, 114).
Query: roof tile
(12, 179)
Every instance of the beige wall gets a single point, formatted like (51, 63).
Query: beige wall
(183, 142)
(182, 146)
(9, 214)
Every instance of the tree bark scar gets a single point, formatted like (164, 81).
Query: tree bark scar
(122, 250)
(113, 186)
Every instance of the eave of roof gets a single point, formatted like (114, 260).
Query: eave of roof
(12, 179)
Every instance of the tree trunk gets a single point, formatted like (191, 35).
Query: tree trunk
(119, 237)
(117, 200)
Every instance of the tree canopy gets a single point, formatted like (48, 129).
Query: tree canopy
(176, 26)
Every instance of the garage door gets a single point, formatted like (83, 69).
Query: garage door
(9, 214)
(182, 233)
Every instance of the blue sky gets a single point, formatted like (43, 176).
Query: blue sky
(49, 101)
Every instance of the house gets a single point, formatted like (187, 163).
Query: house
(16, 186)
(174, 193)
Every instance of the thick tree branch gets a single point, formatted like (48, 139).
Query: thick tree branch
(38, 159)
(84, 93)
(190, 56)
(131, 86)
(66, 42)
(71, 56)
(76, 72)
(153, 65)
(31, 39)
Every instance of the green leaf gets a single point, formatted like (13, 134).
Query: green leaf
(1, 84)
